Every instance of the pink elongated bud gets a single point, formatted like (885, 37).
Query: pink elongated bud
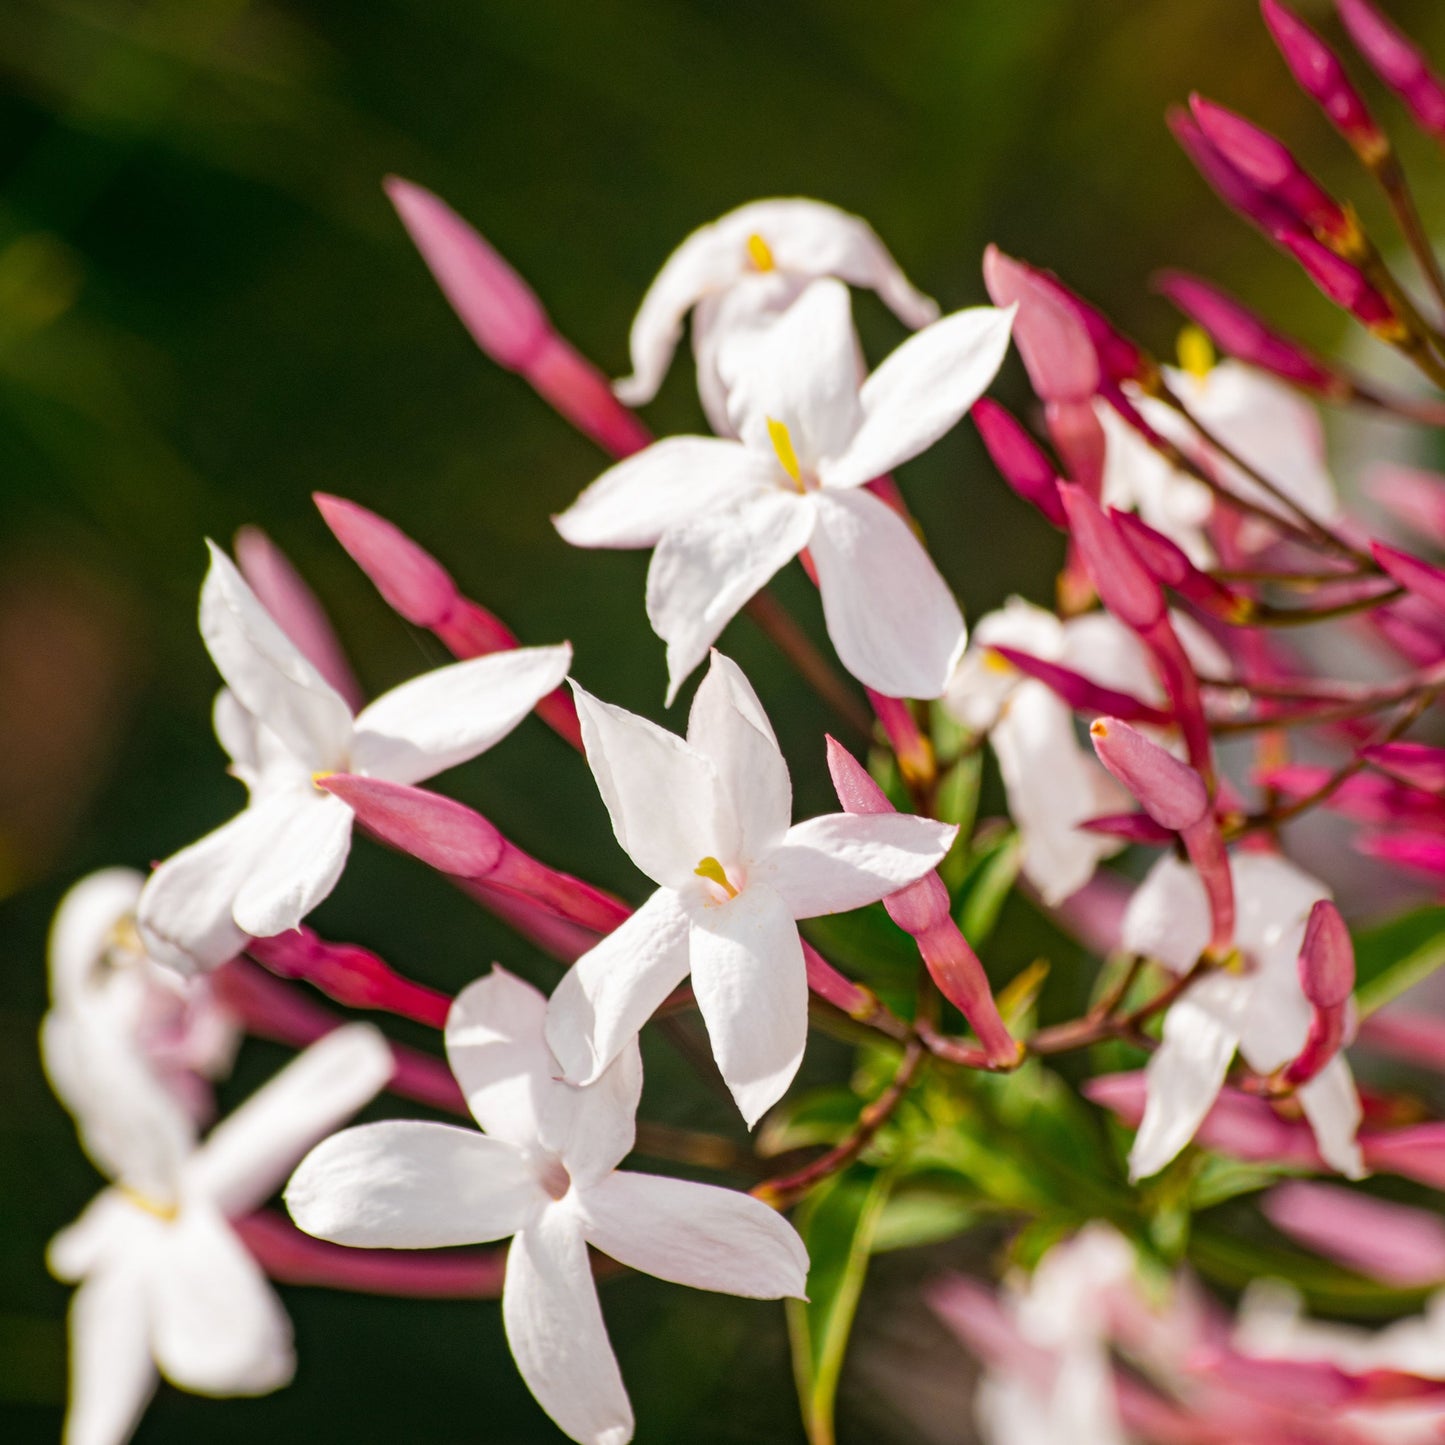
(1078, 437)
(1171, 565)
(351, 975)
(291, 1257)
(1175, 796)
(1415, 496)
(508, 323)
(1242, 334)
(417, 586)
(1266, 162)
(281, 590)
(913, 751)
(1132, 827)
(1124, 584)
(1321, 75)
(1230, 185)
(1421, 851)
(1343, 283)
(1327, 978)
(1120, 358)
(454, 839)
(1424, 580)
(1394, 1243)
(1081, 693)
(923, 910)
(1056, 350)
(1020, 460)
(1398, 62)
(1418, 764)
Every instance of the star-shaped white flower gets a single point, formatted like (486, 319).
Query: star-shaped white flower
(740, 273)
(165, 1283)
(1260, 1010)
(545, 1172)
(284, 727)
(707, 819)
(724, 516)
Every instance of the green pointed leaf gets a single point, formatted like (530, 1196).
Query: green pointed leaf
(838, 1221)
(924, 1214)
(822, 1117)
(1019, 995)
(992, 873)
(1396, 956)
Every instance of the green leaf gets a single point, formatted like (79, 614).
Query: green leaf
(918, 1214)
(1396, 956)
(1019, 995)
(992, 872)
(838, 1222)
(822, 1117)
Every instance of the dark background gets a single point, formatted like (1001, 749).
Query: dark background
(208, 311)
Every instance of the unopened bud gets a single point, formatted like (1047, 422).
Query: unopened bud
(1344, 283)
(1171, 565)
(1424, 580)
(1171, 792)
(1020, 460)
(1398, 62)
(1327, 958)
(1418, 764)
(1052, 340)
(1124, 584)
(1232, 187)
(1082, 693)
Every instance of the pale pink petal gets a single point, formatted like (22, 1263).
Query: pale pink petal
(448, 716)
(696, 1235)
(249, 1153)
(890, 615)
(306, 856)
(704, 571)
(406, 1184)
(1168, 916)
(844, 860)
(112, 1377)
(614, 988)
(920, 392)
(217, 1327)
(554, 1326)
(664, 486)
(1331, 1103)
(667, 807)
(752, 988)
(267, 671)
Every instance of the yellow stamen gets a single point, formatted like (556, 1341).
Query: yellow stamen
(760, 253)
(712, 870)
(783, 445)
(996, 662)
(1196, 352)
(318, 778)
(125, 936)
(166, 1212)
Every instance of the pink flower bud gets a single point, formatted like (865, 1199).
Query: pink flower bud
(1080, 692)
(1019, 459)
(1416, 497)
(1171, 565)
(1240, 333)
(1418, 764)
(1327, 958)
(1132, 827)
(282, 592)
(913, 751)
(1323, 78)
(1124, 584)
(1343, 283)
(1424, 580)
(1268, 163)
(1051, 339)
(1078, 437)
(1119, 358)
(507, 321)
(1423, 852)
(1398, 62)
(1171, 792)
(1231, 186)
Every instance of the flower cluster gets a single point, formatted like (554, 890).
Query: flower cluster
(1161, 705)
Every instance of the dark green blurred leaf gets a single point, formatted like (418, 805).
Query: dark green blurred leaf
(1018, 996)
(838, 1222)
(823, 1117)
(924, 1213)
(992, 873)
(1396, 956)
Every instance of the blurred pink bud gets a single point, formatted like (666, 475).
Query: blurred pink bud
(1394, 1243)
(1019, 459)
(507, 321)
(1171, 565)
(1268, 163)
(1124, 584)
(1171, 792)
(913, 751)
(1323, 78)
(1119, 358)
(1132, 827)
(452, 838)
(1424, 580)
(1327, 958)
(1418, 764)
(1051, 339)
(1240, 333)
(1424, 852)
(1081, 693)
(1398, 62)
(1415, 496)
(1344, 283)
(1078, 437)
(282, 592)
(1236, 190)
(923, 909)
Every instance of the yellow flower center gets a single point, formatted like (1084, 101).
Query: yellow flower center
(713, 871)
(318, 778)
(1196, 352)
(996, 662)
(782, 442)
(760, 253)
(165, 1212)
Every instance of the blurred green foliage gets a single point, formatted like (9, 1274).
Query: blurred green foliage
(207, 311)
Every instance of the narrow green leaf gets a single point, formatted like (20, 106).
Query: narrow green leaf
(991, 875)
(1018, 996)
(926, 1214)
(838, 1222)
(822, 1117)
(1397, 956)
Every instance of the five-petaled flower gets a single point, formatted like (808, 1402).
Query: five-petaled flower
(707, 819)
(544, 1172)
(285, 727)
(724, 516)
